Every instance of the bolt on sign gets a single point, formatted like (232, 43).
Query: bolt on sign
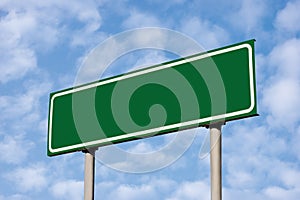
(218, 85)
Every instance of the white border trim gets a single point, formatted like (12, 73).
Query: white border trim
(145, 132)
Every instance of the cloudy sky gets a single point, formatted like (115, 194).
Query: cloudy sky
(43, 45)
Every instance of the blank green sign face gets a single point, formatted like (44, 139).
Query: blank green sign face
(195, 91)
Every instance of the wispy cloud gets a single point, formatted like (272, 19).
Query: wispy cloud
(16, 149)
(191, 191)
(281, 93)
(204, 32)
(248, 15)
(288, 18)
(138, 19)
(69, 189)
(32, 178)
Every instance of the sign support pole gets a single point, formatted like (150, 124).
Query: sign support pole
(216, 161)
(89, 173)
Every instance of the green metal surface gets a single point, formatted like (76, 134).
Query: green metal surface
(218, 85)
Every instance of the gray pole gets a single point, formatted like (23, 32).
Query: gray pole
(89, 174)
(216, 161)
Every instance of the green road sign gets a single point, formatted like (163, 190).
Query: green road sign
(218, 85)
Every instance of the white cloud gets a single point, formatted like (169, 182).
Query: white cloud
(149, 188)
(21, 114)
(70, 189)
(15, 149)
(17, 58)
(16, 63)
(281, 99)
(141, 147)
(15, 197)
(191, 191)
(138, 19)
(136, 60)
(246, 194)
(295, 138)
(27, 179)
(87, 13)
(18, 44)
(278, 193)
(257, 150)
(18, 105)
(127, 192)
(240, 179)
(133, 162)
(290, 177)
(187, 190)
(268, 193)
(205, 32)
(260, 70)
(256, 170)
(244, 138)
(281, 93)
(24, 108)
(285, 57)
(23, 22)
(28, 28)
(148, 59)
(288, 18)
(249, 15)
(164, 185)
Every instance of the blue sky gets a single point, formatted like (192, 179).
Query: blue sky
(43, 44)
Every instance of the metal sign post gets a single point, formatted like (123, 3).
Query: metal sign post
(216, 161)
(89, 174)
